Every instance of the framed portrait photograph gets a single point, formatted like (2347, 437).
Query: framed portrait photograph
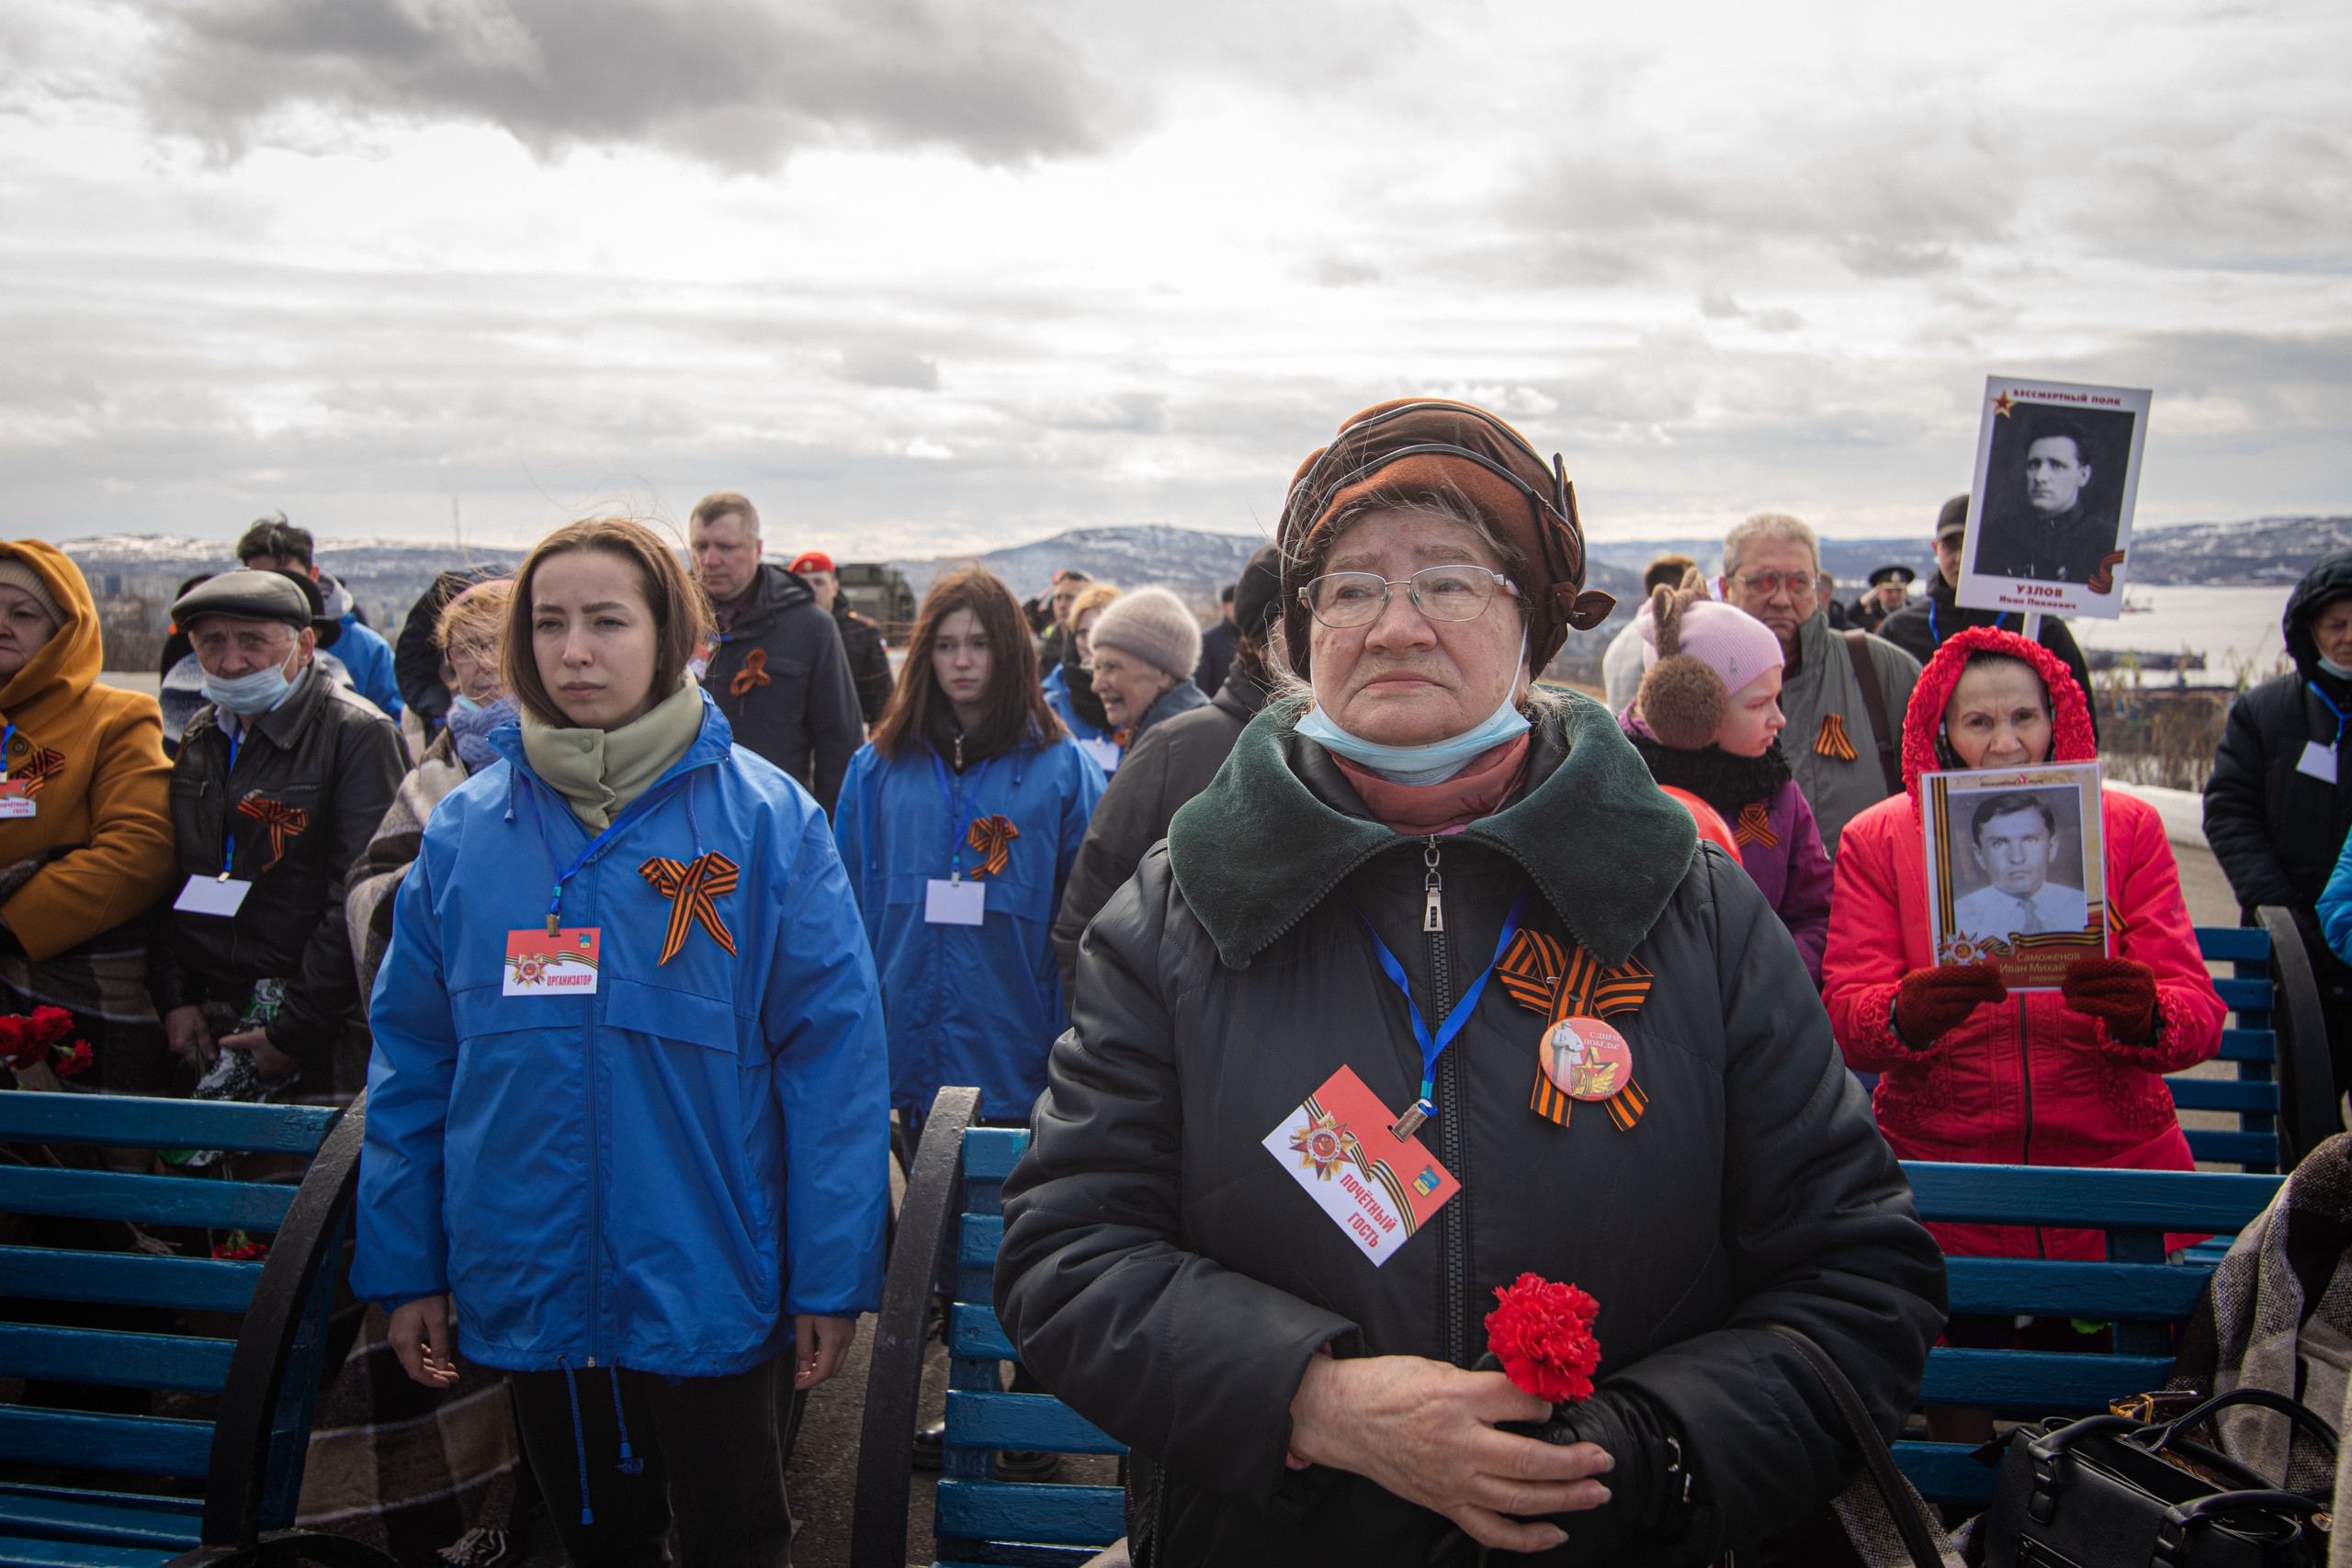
(2050, 514)
(2017, 874)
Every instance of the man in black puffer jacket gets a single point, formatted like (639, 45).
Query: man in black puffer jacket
(2275, 820)
(779, 673)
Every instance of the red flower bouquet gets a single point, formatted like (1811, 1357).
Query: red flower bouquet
(1543, 1334)
(41, 1039)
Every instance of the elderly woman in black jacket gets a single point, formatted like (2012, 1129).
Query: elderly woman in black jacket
(2280, 804)
(1286, 1062)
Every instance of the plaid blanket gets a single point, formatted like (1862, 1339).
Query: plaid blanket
(407, 1469)
(2278, 1317)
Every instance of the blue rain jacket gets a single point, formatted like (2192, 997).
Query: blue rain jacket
(660, 1175)
(2336, 907)
(369, 659)
(979, 1005)
(1056, 686)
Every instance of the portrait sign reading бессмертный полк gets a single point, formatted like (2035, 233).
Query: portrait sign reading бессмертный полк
(2016, 871)
(2049, 514)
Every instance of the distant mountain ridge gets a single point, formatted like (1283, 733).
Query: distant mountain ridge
(386, 575)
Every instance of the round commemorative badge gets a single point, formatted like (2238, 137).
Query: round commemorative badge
(1586, 1059)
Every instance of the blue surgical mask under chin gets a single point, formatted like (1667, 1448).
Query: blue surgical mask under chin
(461, 703)
(246, 695)
(1433, 763)
(2341, 672)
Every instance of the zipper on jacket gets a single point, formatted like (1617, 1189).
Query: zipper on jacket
(595, 1195)
(1452, 1138)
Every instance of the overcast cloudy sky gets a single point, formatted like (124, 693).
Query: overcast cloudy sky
(923, 277)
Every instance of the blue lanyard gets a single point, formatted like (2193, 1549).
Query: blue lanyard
(1434, 1046)
(628, 818)
(227, 832)
(957, 825)
(1939, 636)
(7, 738)
(2322, 696)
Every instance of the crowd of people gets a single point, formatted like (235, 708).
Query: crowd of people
(653, 908)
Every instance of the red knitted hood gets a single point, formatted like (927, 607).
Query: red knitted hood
(2070, 739)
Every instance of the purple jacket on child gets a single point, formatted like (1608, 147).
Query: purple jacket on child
(1779, 845)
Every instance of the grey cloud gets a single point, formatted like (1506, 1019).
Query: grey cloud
(889, 368)
(736, 83)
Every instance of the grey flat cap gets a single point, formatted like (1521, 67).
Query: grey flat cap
(245, 596)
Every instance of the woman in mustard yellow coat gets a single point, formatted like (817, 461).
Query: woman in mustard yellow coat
(86, 833)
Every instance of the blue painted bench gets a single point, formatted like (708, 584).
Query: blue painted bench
(2284, 1094)
(250, 1458)
(2135, 1290)
(949, 1228)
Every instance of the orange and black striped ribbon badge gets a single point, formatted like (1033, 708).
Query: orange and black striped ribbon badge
(1833, 741)
(1544, 978)
(285, 823)
(1755, 826)
(690, 889)
(991, 838)
(37, 768)
(753, 673)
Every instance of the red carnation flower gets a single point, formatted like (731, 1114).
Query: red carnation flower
(1543, 1334)
(16, 1048)
(239, 1249)
(50, 1025)
(72, 1061)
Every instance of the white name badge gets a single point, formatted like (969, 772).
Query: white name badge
(2318, 761)
(212, 896)
(956, 903)
(14, 801)
(1104, 752)
(538, 964)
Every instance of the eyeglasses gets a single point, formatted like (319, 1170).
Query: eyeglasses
(1439, 593)
(1764, 584)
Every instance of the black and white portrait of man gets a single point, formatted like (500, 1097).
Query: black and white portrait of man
(2025, 846)
(2052, 515)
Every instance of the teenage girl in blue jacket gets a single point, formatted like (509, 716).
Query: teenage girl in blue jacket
(958, 825)
(626, 1122)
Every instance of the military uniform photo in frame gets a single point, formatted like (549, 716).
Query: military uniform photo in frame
(2049, 514)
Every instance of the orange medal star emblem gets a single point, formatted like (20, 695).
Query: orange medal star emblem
(2003, 404)
(1321, 1144)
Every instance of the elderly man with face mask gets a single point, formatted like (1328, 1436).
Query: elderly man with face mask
(281, 780)
(1844, 692)
(1200, 1254)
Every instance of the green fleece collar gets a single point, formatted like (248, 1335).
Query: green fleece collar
(1256, 850)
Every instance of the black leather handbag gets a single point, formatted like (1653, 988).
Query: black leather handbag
(2110, 1492)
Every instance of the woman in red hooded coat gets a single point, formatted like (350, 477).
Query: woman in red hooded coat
(1970, 1070)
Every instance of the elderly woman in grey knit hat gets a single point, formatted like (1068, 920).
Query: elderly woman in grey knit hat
(1145, 645)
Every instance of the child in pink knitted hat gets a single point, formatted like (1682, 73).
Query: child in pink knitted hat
(1708, 721)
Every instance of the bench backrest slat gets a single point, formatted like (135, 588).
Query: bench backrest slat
(2102, 1292)
(186, 1362)
(127, 1278)
(2242, 943)
(2177, 1201)
(143, 1200)
(133, 1122)
(144, 1445)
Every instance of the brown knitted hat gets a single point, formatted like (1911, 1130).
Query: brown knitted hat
(1428, 447)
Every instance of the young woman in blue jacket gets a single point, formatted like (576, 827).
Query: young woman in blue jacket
(628, 1127)
(958, 824)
